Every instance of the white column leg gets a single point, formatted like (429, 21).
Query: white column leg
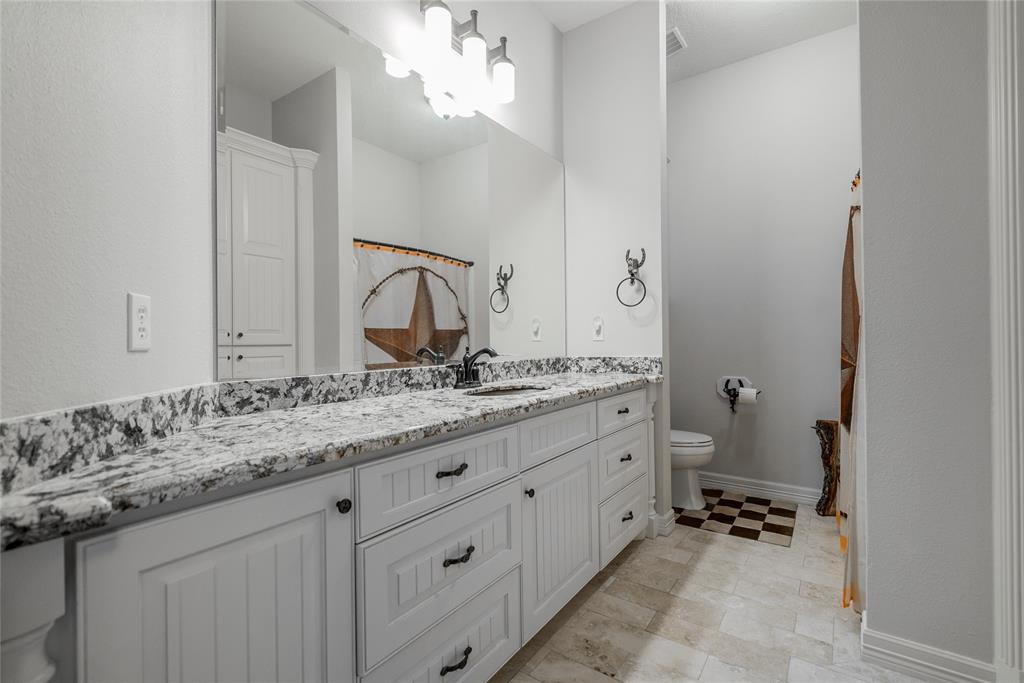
(32, 594)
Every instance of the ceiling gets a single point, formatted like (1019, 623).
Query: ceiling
(275, 47)
(720, 32)
(569, 14)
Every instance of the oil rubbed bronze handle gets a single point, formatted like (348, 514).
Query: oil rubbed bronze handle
(446, 669)
(628, 517)
(457, 472)
(529, 492)
(344, 505)
(460, 560)
(623, 411)
(626, 458)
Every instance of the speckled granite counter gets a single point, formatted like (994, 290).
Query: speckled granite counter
(233, 450)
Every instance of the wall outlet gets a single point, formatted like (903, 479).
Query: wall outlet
(535, 330)
(140, 322)
(598, 328)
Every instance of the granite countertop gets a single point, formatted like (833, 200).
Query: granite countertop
(235, 450)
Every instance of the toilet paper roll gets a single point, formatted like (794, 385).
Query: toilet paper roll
(747, 395)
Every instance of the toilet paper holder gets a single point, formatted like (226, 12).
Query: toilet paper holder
(732, 393)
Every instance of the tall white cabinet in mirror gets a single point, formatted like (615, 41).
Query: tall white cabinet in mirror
(264, 217)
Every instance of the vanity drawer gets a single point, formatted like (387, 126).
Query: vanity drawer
(403, 585)
(622, 457)
(547, 436)
(622, 518)
(488, 626)
(401, 488)
(620, 411)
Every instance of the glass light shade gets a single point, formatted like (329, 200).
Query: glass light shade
(474, 57)
(504, 81)
(438, 23)
(395, 67)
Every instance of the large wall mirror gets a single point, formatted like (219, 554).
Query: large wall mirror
(356, 225)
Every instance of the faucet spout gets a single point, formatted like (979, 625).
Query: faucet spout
(468, 374)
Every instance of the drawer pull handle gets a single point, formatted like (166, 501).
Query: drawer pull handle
(459, 560)
(445, 670)
(626, 458)
(529, 492)
(457, 472)
(623, 411)
(344, 505)
(628, 517)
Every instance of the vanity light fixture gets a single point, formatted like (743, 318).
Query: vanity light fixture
(460, 74)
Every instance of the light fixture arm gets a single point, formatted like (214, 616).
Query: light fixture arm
(499, 52)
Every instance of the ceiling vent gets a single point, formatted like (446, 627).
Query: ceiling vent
(674, 42)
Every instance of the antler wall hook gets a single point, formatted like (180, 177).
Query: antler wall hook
(633, 269)
(502, 287)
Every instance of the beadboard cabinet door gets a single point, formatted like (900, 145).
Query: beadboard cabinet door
(263, 250)
(223, 243)
(257, 588)
(560, 534)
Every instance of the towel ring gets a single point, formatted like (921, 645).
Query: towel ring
(633, 268)
(502, 287)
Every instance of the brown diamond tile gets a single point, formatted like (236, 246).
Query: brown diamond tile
(719, 517)
(714, 493)
(758, 501)
(689, 521)
(781, 512)
(751, 514)
(730, 503)
(778, 529)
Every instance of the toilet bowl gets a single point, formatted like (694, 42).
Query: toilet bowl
(690, 451)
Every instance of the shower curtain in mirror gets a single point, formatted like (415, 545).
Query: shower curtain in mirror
(408, 298)
(849, 409)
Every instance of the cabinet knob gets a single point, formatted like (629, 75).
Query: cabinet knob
(344, 505)
(239, 357)
(239, 335)
(529, 492)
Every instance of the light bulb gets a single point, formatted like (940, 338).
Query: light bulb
(504, 81)
(395, 67)
(438, 23)
(474, 57)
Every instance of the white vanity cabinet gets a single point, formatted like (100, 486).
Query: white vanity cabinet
(256, 588)
(434, 564)
(560, 535)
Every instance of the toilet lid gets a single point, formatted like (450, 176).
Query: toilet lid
(682, 438)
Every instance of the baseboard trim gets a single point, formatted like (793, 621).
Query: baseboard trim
(759, 488)
(922, 661)
(660, 525)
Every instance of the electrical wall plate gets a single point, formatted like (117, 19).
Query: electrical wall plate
(140, 322)
(721, 384)
(598, 328)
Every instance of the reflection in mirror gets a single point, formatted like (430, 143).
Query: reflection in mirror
(357, 228)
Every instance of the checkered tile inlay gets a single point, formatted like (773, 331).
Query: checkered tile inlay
(759, 519)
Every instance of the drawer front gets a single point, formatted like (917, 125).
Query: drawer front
(404, 585)
(254, 362)
(623, 516)
(545, 437)
(488, 627)
(623, 457)
(404, 487)
(620, 411)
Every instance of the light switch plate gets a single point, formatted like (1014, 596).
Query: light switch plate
(598, 328)
(140, 322)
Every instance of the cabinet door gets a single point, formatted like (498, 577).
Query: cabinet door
(224, 356)
(263, 250)
(223, 246)
(258, 588)
(560, 539)
(260, 362)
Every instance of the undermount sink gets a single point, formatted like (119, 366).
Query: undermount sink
(507, 389)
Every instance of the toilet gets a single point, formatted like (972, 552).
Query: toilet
(690, 451)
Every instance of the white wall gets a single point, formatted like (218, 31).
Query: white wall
(308, 118)
(763, 152)
(614, 157)
(527, 228)
(453, 201)
(107, 187)
(387, 195)
(923, 96)
(248, 112)
(535, 46)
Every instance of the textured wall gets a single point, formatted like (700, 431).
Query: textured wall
(929, 546)
(763, 151)
(107, 177)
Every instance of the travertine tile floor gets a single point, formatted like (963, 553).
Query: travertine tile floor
(701, 606)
